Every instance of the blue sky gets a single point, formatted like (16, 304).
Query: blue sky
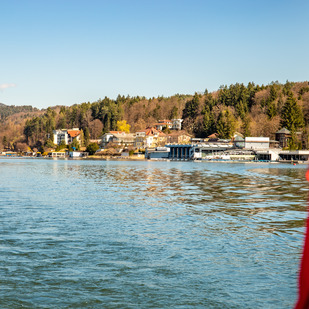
(63, 52)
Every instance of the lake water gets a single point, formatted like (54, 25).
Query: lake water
(107, 234)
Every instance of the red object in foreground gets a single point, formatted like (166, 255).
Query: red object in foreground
(303, 291)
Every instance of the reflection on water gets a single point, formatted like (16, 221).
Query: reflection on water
(150, 234)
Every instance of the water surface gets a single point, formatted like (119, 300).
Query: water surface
(106, 234)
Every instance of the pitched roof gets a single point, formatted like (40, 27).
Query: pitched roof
(214, 135)
(152, 131)
(284, 130)
(73, 133)
(238, 134)
(124, 136)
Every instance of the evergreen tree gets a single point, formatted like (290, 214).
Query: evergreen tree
(208, 121)
(86, 137)
(50, 144)
(82, 138)
(230, 124)
(291, 116)
(246, 127)
(174, 113)
(221, 126)
(293, 142)
(226, 125)
(271, 110)
(241, 109)
(273, 93)
(191, 107)
(4, 141)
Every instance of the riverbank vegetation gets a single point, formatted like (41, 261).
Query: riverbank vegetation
(253, 110)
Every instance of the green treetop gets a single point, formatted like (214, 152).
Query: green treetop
(291, 116)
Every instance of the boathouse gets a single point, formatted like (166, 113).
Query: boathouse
(180, 152)
(57, 154)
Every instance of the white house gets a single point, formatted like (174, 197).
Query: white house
(177, 124)
(174, 124)
(163, 124)
(105, 139)
(66, 136)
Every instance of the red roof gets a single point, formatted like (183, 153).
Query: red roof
(214, 135)
(73, 133)
(152, 131)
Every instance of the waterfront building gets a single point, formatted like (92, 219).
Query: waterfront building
(181, 152)
(57, 154)
(158, 153)
(283, 136)
(256, 142)
(66, 136)
(294, 155)
(239, 140)
(268, 154)
(78, 154)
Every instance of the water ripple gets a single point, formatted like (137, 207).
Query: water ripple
(93, 234)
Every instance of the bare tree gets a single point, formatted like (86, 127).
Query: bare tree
(95, 128)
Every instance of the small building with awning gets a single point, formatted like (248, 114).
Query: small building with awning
(294, 155)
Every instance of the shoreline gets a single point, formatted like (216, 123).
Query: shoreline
(110, 158)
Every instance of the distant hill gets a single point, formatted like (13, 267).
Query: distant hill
(8, 110)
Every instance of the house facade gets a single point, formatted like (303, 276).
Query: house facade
(154, 138)
(140, 139)
(256, 142)
(174, 124)
(118, 138)
(177, 124)
(283, 136)
(179, 137)
(66, 136)
(162, 124)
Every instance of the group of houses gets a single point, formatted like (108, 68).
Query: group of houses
(177, 144)
(149, 138)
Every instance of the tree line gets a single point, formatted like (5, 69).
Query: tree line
(252, 110)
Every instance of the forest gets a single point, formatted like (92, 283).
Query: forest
(252, 110)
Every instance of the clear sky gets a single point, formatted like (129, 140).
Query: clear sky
(63, 52)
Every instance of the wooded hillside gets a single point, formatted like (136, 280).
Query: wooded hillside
(252, 110)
